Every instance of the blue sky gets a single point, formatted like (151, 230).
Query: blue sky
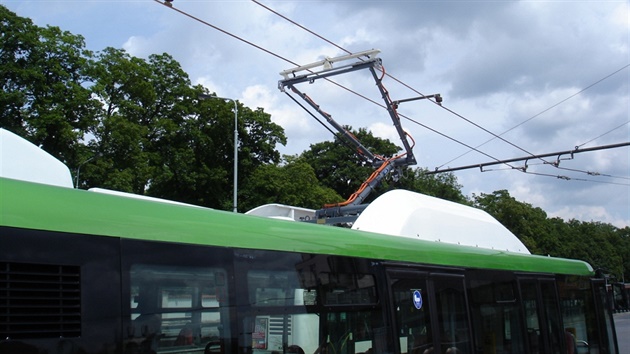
(516, 66)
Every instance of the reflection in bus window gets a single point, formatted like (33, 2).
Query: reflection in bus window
(411, 304)
(452, 315)
(309, 310)
(175, 307)
(578, 315)
(534, 333)
(495, 313)
(555, 332)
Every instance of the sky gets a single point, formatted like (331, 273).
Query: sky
(517, 78)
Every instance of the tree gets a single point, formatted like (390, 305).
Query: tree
(157, 138)
(595, 243)
(133, 118)
(442, 185)
(292, 183)
(522, 219)
(624, 250)
(339, 166)
(19, 39)
(44, 96)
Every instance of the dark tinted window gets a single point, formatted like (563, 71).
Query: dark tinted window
(315, 302)
(496, 313)
(178, 298)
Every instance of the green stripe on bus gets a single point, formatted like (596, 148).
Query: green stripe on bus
(35, 206)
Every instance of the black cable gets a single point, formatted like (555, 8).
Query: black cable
(327, 79)
(495, 136)
(395, 79)
(170, 6)
(544, 111)
(597, 137)
(399, 81)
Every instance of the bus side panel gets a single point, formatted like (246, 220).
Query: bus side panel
(58, 292)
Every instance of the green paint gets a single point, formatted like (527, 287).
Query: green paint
(34, 206)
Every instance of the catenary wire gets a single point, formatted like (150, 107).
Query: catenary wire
(364, 97)
(599, 136)
(544, 111)
(337, 84)
(495, 136)
(388, 75)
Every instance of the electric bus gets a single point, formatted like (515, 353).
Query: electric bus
(90, 272)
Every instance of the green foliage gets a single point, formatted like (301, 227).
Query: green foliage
(126, 123)
(293, 183)
(443, 186)
(43, 75)
(521, 218)
(339, 166)
(602, 245)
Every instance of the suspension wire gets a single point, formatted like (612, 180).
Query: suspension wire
(302, 27)
(495, 136)
(544, 111)
(368, 99)
(441, 106)
(170, 6)
(597, 137)
(388, 75)
(588, 172)
(327, 79)
(562, 177)
(565, 178)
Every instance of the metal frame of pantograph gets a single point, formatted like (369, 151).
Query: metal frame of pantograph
(348, 211)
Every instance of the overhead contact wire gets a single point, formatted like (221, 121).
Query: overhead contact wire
(495, 136)
(395, 79)
(546, 110)
(226, 32)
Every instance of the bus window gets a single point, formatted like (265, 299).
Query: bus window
(555, 332)
(530, 303)
(411, 306)
(353, 332)
(582, 332)
(319, 303)
(495, 312)
(608, 342)
(175, 307)
(275, 330)
(452, 314)
(347, 288)
(542, 318)
(302, 322)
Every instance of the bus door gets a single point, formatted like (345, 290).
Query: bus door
(545, 332)
(430, 312)
(605, 321)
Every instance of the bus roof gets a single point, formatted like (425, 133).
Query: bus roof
(41, 207)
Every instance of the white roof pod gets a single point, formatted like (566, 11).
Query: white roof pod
(283, 212)
(408, 214)
(20, 159)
